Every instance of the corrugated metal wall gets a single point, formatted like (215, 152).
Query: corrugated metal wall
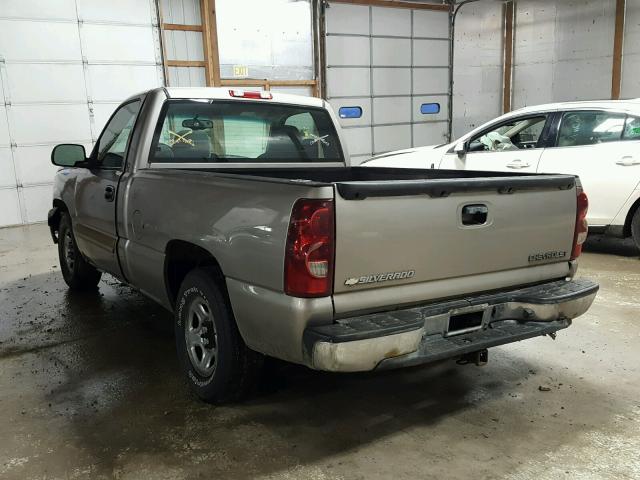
(64, 67)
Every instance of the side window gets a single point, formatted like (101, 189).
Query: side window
(590, 128)
(517, 134)
(112, 145)
(632, 129)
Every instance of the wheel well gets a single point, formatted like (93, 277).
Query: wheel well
(55, 220)
(627, 222)
(180, 258)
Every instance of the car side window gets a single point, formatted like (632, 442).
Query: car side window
(518, 134)
(590, 128)
(631, 129)
(112, 145)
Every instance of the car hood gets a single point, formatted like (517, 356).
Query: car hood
(420, 157)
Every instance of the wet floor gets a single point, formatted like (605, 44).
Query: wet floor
(90, 388)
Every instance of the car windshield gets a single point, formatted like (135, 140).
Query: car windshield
(191, 131)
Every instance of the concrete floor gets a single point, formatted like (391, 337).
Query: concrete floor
(90, 388)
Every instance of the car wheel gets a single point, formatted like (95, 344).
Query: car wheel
(218, 365)
(77, 272)
(635, 228)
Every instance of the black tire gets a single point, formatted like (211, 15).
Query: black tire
(635, 228)
(77, 272)
(223, 368)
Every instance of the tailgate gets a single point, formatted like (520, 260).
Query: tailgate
(407, 232)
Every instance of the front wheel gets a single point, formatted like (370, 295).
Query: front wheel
(635, 228)
(77, 272)
(218, 365)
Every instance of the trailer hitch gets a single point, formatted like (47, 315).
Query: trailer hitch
(479, 358)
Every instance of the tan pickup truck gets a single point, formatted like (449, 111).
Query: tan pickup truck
(239, 212)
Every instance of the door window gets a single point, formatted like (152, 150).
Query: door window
(590, 128)
(112, 145)
(518, 134)
(632, 129)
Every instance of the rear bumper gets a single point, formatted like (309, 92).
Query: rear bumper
(422, 334)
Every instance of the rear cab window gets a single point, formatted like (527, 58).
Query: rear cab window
(218, 131)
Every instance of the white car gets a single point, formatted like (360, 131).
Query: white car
(597, 140)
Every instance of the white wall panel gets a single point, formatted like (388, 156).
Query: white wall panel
(431, 24)
(429, 134)
(391, 81)
(123, 11)
(37, 201)
(396, 137)
(49, 123)
(350, 19)
(39, 41)
(187, 77)
(32, 82)
(10, 211)
(631, 60)
(477, 89)
(348, 82)
(391, 21)
(184, 45)
(562, 51)
(429, 53)
(430, 80)
(392, 52)
(34, 164)
(118, 44)
(347, 51)
(7, 172)
(101, 114)
(391, 110)
(50, 10)
(185, 12)
(4, 127)
(117, 82)
(358, 140)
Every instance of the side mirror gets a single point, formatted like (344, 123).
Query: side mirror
(460, 149)
(68, 155)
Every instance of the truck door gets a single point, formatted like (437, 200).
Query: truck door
(96, 190)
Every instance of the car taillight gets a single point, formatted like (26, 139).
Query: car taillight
(582, 227)
(308, 265)
(261, 95)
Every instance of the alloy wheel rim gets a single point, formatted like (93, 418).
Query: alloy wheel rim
(201, 337)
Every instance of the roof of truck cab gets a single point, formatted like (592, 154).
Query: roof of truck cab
(632, 105)
(222, 93)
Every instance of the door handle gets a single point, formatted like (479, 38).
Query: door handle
(109, 193)
(518, 164)
(628, 161)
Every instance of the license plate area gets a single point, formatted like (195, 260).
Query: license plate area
(465, 320)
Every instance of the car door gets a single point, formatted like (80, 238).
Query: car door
(513, 145)
(602, 148)
(96, 190)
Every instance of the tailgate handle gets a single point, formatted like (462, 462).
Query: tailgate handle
(475, 214)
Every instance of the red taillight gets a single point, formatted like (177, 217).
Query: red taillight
(582, 227)
(262, 95)
(308, 264)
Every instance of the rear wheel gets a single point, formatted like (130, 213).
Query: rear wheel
(635, 228)
(218, 365)
(77, 272)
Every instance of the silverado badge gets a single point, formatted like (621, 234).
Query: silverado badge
(539, 257)
(380, 277)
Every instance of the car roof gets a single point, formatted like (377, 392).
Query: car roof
(222, 93)
(632, 105)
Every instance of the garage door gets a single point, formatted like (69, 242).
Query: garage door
(387, 74)
(64, 66)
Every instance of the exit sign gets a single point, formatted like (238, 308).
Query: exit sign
(240, 71)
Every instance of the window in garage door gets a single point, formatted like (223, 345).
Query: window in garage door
(393, 64)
